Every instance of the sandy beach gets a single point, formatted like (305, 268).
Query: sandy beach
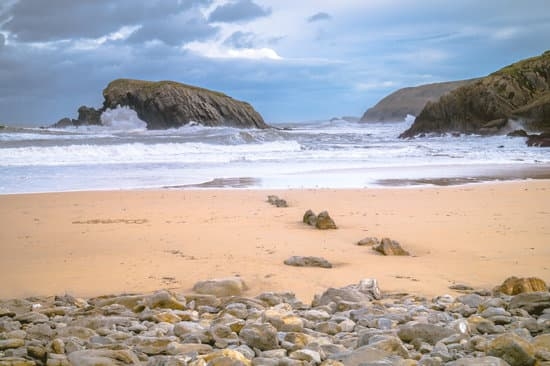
(93, 243)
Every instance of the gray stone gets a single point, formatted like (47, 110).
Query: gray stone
(361, 356)
(232, 286)
(16, 361)
(306, 355)
(368, 241)
(301, 261)
(32, 317)
(261, 336)
(532, 302)
(428, 332)
(11, 343)
(309, 218)
(472, 300)
(479, 361)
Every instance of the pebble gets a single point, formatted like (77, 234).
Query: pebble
(354, 325)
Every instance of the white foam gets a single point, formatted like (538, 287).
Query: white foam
(122, 119)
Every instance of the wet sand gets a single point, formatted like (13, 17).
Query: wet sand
(94, 243)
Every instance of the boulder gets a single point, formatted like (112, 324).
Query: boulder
(514, 285)
(540, 140)
(390, 247)
(324, 221)
(532, 302)
(518, 92)
(222, 287)
(300, 261)
(512, 349)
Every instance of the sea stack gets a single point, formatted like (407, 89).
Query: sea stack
(168, 104)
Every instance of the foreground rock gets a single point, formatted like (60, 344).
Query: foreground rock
(300, 261)
(352, 325)
(388, 246)
(519, 92)
(168, 104)
(514, 285)
(323, 221)
(409, 101)
(277, 201)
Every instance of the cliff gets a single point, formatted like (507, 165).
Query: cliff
(397, 105)
(168, 104)
(519, 92)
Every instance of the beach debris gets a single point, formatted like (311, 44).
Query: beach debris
(388, 246)
(349, 325)
(300, 261)
(221, 287)
(514, 285)
(369, 241)
(276, 201)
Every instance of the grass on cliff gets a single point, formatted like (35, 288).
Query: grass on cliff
(152, 86)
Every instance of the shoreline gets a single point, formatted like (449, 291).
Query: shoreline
(98, 242)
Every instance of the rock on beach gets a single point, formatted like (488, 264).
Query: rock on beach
(352, 325)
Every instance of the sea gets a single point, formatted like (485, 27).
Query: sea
(335, 153)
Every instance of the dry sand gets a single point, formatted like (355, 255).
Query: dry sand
(93, 243)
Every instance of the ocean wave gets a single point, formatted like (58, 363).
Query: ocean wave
(195, 153)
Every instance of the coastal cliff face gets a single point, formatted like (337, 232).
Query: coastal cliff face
(168, 104)
(519, 92)
(397, 105)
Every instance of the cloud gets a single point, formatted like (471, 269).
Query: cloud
(240, 40)
(40, 21)
(2, 40)
(176, 29)
(238, 11)
(216, 51)
(375, 85)
(318, 17)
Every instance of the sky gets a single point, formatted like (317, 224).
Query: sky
(292, 60)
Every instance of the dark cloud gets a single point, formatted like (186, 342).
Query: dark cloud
(41, 21)
(240, 40)
(318, 17)
(175, 30)
(2, 40)
(240, 10)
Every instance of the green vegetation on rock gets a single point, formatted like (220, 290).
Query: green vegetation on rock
(518, 92)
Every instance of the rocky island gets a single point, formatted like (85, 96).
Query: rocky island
(517, 93)
(410, 100)
(168, 104)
